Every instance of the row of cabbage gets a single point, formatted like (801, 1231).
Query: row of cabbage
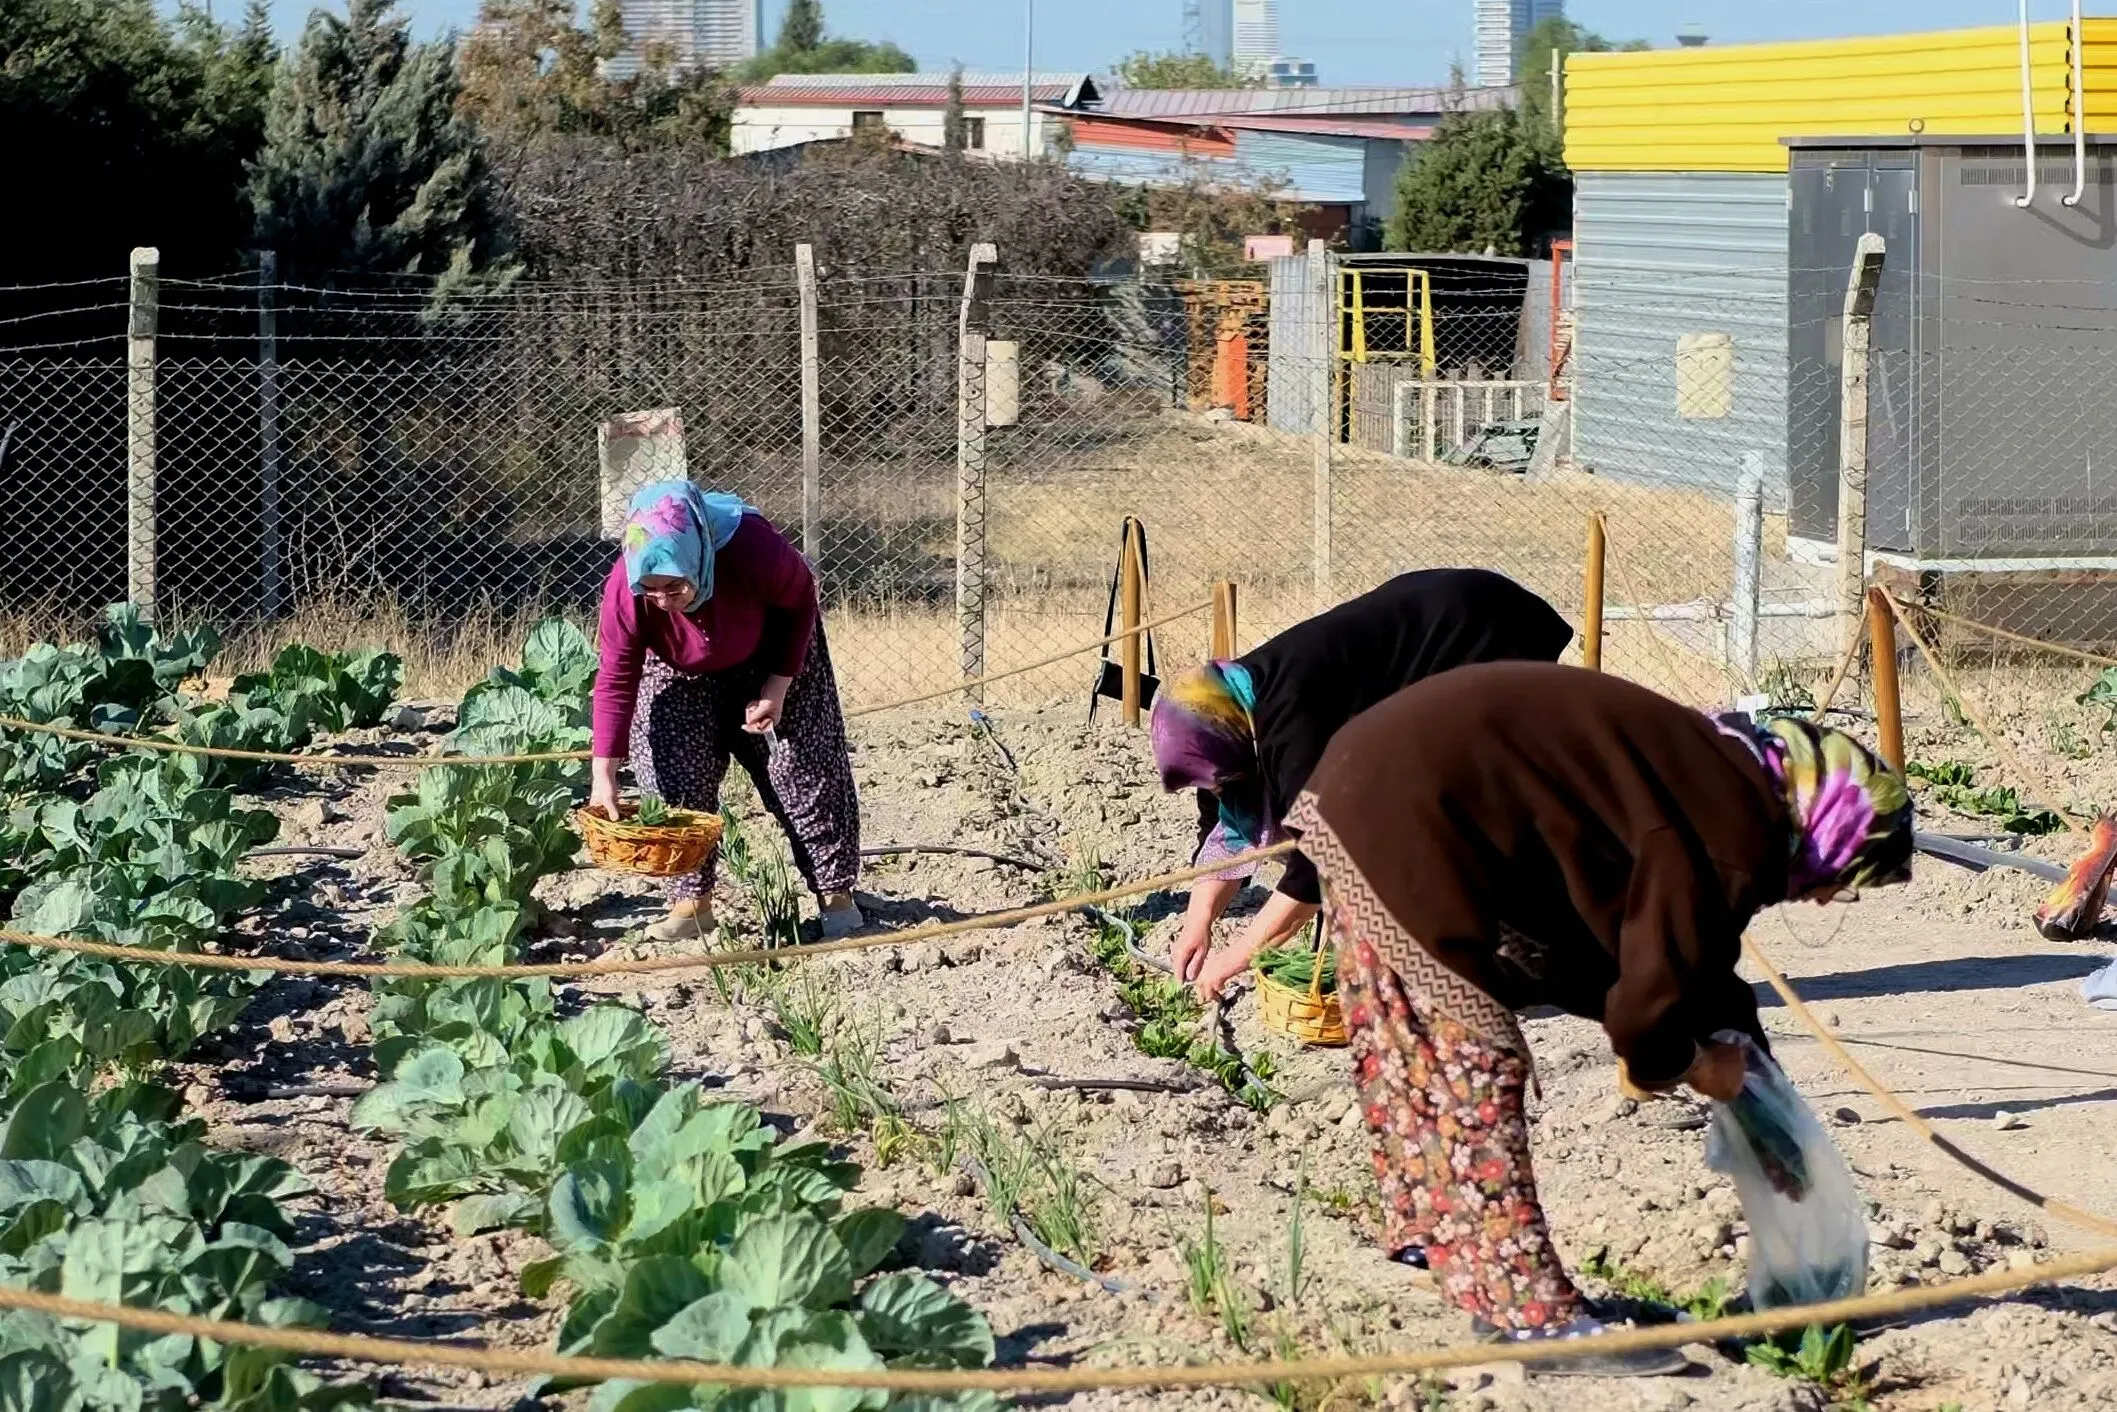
(107, 1191)
(680, 1226)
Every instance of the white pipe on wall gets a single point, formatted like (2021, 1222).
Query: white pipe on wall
(2028, 113)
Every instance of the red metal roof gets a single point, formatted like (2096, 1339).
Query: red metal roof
(1197, 139)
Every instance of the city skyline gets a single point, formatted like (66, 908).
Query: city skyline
(698, 33)
(1501, 26)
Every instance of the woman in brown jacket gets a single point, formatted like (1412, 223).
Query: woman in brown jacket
(1520, 834)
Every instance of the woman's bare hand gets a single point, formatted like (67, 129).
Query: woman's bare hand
(602, 787)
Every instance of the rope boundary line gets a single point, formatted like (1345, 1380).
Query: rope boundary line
(547, 757)
(2052, 799)
(647, 965)
(516, 1362)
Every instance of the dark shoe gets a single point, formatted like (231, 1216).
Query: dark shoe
(1413, 1256)
(1588, 1363)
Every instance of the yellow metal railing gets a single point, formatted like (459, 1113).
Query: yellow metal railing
(1352, 305)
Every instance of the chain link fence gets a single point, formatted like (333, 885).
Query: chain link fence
(957, 450)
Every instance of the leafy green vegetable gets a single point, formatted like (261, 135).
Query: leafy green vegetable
(1296, 966)
(653, 811)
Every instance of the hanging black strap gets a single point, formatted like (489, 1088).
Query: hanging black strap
(1108, 682)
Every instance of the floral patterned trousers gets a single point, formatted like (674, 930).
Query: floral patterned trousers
(1451, 1147)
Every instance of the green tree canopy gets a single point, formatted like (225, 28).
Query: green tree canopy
(124, 128)
(1486, 180)
(368, 164)
(1146, 69)
(1559, 36)
(805, 48)
(528, 72)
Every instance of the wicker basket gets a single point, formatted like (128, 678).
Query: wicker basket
(658, 851)
(1307, 1014)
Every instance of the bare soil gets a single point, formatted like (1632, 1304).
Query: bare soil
(1942, 986)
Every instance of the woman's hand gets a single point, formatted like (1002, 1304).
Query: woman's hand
(1209, 898)
(1279, 918)
(1718, 1071)
(1217, 971)
(763, 714)
(602, 786)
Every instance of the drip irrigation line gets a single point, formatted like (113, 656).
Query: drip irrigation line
(1049, 1258)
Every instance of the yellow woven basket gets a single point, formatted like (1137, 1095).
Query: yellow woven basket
(658, 851)
(1306, 1014)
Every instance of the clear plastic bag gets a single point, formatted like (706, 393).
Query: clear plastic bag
(1807, 1231)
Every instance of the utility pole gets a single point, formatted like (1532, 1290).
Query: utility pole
(1028, 67)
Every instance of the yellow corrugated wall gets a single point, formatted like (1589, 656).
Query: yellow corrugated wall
(1725, 109)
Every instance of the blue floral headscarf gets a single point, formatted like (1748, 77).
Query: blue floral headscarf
(674, 528)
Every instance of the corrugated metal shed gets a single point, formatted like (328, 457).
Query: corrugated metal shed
(1726, 108)
(1299, 317)
(1326, 170)
(1658, 256)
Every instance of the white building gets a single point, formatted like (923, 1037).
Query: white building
(711, 34)
(797, 108)
(1255, 26)
(1502, 26)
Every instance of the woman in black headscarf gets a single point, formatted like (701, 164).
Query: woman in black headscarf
(1245, 734)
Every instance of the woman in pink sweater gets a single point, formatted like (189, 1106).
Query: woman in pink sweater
(712, 647)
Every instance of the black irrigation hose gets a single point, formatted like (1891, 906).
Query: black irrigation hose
(302, 851)
(1048, 1257)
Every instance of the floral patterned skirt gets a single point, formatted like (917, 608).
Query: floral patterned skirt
(1445, 1106)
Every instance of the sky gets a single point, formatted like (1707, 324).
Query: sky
(1407, 42)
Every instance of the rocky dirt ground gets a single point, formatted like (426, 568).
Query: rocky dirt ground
(967, 1046)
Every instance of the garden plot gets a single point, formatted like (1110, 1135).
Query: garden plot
(958, 1071)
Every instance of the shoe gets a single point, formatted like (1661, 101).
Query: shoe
(841, 915)
(1639, 1363)
(689, 920)
(1413, 1256)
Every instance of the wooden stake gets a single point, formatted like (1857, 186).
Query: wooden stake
(1131, 593)
(1591, 612)
(1223, 620)
(1888, 703)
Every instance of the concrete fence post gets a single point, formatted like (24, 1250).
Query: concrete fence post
(811, 409)
(1322, 289)
(272, 587)
(1749, 569)
(1852, 441)
(140, 428)
(973, 328)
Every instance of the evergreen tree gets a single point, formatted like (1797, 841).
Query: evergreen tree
(368, 166)
(1485, 181)
(955, 133)
(124, 128)
(804, 48)
(802, 29)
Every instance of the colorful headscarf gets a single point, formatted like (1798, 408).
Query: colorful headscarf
(1202, 732)
(1204, 738)
(1851, 814)
(675, 528)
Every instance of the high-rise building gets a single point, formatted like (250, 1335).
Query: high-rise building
(710, 34)
(1502, 26)
(1255, 28)
(1209, 29)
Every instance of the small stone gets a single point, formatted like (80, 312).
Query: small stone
(410, 719)
(1888, 1238)
(2022, 1260)
(1954, 1262)
(1927, 1252)
(1713, 1236)
(939, 1033)
(281, 1029)
(1934, 1214)
(1622, 1107)
(2019, 1394)
(963, 953)
(1162, 1176)
(962, 1185)
(2037, 1237)
(2007, 1122)
(992, 1054)
(1847, 1117)
(1194, 1191)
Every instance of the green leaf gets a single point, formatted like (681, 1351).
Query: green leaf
(789, 1259)
(35, 1381)
(45, 1124)
(787, 1338)
(586, 1208)
(709, 1330)
(656, 1290)
(485, 1213)
(868, 1236)
(625, 1395)
(912, 1320)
